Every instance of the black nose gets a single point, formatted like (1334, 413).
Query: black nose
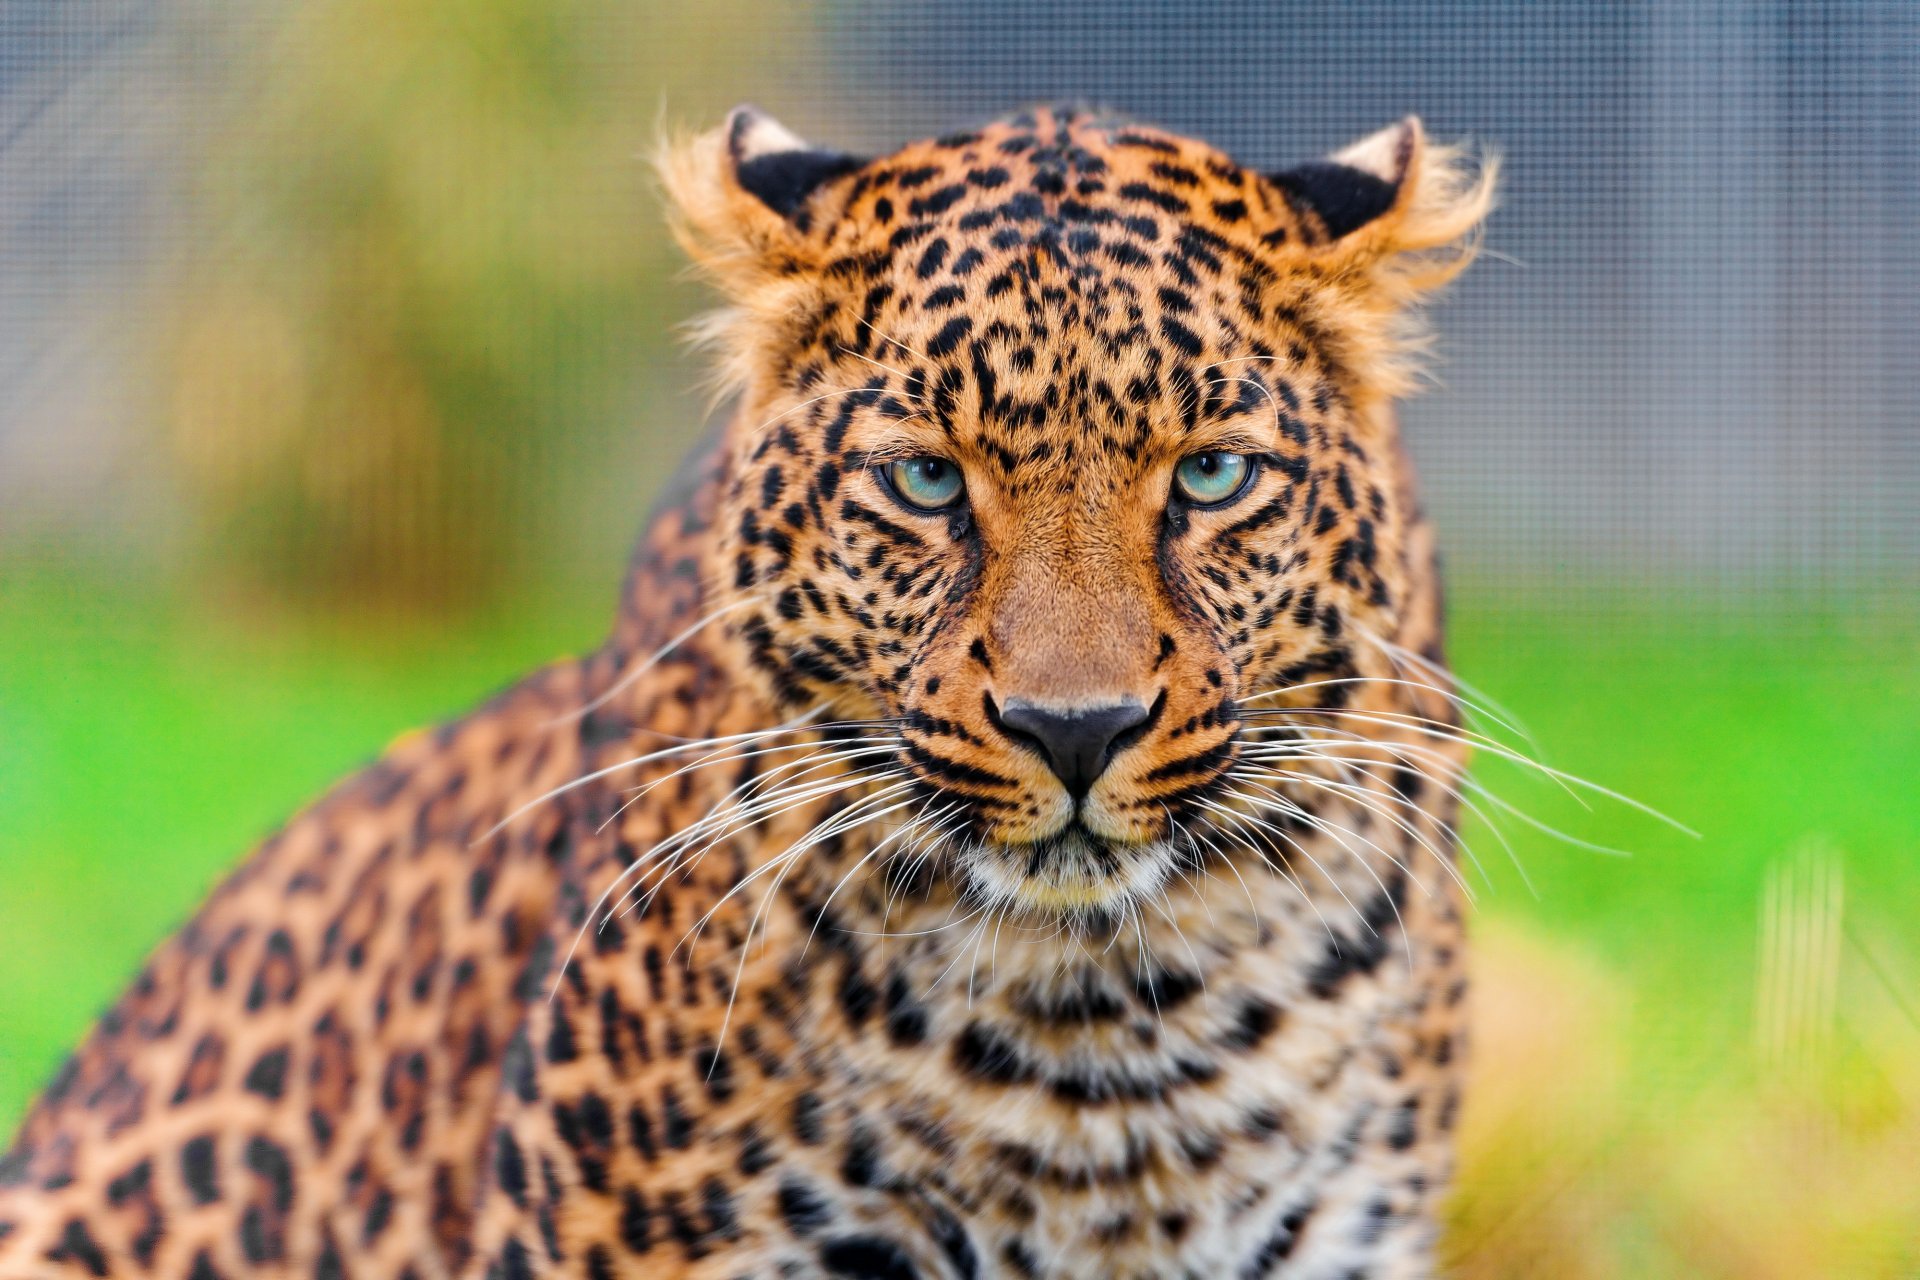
(1077, 742)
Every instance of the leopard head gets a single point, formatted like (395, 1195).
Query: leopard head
(1058, 441)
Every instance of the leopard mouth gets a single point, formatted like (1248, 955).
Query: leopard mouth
(1073, 871)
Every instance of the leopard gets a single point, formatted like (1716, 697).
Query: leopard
(1008, 831)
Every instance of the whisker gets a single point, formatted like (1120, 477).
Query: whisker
(1451, 696)
(1490, 746)
(1338, 831)
(869, 747)
(1402, 656)
(1402, 753)
(898, 373)
(900, 872)
(1481, 789)
(747, 788)
(634, 762)
(1241, 819)
(729, 819)
(1182, 833)
(665, 858)
(1275, 865)
(1408, 753)
(1366, 799)
(812, 400)
(786, 861)
(985, 913)
(878, 848)
(626, 679)
(1339, 834)
(874, 329)
(1258, 385)
(1199, 969)
(769, 807)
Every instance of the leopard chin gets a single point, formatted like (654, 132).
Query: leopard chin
(1073, 875)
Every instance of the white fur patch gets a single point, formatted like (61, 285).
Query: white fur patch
(1383, 155)
(752, 135)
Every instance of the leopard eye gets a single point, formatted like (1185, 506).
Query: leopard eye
(925, 484)
(1213, 478)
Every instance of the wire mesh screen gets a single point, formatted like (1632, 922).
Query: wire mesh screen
(1686, 364)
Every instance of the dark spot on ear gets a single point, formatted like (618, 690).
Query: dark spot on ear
(784, 179)
(1345, 199)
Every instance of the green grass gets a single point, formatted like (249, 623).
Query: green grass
(1763, 745)
(144, 745)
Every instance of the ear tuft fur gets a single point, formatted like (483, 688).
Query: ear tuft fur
(1404, 217)
(737, 200)
(1444, 194)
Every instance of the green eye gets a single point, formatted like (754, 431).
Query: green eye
(924, 484)
(1211, 478)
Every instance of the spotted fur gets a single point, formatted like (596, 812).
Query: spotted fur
(592, 984)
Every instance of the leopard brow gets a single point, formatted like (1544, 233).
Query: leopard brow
(1235, 439)
(905, 446)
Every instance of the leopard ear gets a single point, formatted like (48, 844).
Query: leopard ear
(742, 200)
(1356, 185)
(1391, 218)
(1393, 192)
(740, 193)
(772, 164)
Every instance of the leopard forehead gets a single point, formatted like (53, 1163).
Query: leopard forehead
(1049, 300)
(1053, 299)
(1098, 201)
(1074, 252)
(1077, 254)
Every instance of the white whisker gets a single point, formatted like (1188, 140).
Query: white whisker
(1480, 742)
(633, 762)
(627, 678)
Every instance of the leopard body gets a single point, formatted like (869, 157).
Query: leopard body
(758, 943)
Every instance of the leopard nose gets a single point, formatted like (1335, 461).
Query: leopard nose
(1078, 741)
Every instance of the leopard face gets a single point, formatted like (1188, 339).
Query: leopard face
(1061, 441)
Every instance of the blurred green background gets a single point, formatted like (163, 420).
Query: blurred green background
(338, 338)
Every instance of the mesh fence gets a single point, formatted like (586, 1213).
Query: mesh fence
(1686, 367)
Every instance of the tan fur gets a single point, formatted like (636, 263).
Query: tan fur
(762, 942)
